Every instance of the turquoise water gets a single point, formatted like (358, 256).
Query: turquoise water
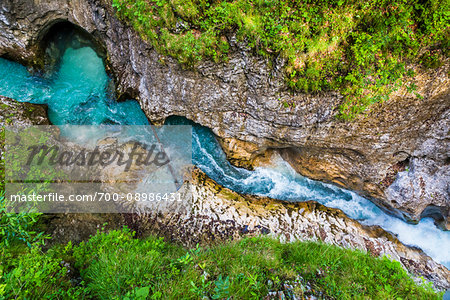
(79, 92)
(76, 94)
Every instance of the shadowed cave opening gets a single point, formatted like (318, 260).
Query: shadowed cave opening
(437, 213)
(59, 35)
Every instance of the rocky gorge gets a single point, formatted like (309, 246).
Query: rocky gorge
(397, 154)
(211, 213)
(242, 100)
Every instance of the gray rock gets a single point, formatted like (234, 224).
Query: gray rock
(13, 113)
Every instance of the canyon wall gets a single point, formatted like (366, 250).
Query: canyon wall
(397, 155)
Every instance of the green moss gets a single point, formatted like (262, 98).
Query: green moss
(431, 59)
(361, 48)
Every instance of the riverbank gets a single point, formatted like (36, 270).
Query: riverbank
(117, 265)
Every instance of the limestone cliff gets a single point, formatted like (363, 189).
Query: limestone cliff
(397, 155)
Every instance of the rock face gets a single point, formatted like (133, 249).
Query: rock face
(239, 153)
(242, 99)
(15, 113)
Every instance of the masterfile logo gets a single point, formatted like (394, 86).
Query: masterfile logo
(86, 168)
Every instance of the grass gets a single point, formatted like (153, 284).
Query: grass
(116, 265)
(361, 48)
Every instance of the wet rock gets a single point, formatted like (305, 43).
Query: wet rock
(14, 113)
(239, 153)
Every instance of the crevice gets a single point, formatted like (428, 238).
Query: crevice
(391, 173)
(437, 213)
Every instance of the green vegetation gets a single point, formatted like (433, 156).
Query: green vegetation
(116, 265)
(15, 227)
(20, 226)
(29, 273)
(362, 48)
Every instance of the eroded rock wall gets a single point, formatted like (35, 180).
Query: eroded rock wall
(243, 99)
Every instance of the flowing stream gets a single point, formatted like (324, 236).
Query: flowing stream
(78, 91)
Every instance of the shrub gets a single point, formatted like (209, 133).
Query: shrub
(31, 274)
(18, 227)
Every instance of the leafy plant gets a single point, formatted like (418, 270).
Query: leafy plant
(33, 274)
(222, 289)
(18, 227)
(138, 294)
